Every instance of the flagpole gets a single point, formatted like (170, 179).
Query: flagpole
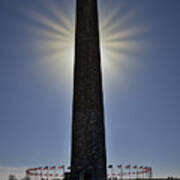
(121, 173)
(54, 170)
(47, 173)
(35, 176)
(137, 173)
(111, 167)
(129, 172)
(141, 167)
(41, 173)
(111, 173)
(150, 173)
(63, 170)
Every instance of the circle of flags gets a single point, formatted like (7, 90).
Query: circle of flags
(129, 170)
(52, 171)
(58, 171)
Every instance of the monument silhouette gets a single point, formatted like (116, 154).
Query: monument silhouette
(88, 156)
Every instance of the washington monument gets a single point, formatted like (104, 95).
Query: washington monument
(88, 156)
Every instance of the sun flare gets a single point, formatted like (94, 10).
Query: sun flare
(57, 34)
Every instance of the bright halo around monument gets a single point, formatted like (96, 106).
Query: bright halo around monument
(56, 36)
(119, 39)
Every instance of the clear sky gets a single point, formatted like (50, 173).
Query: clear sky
(140, 60)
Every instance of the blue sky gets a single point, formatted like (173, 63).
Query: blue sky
(141, 87)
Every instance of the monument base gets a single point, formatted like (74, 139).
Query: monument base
(83, 176)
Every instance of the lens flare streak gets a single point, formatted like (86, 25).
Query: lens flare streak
(58, 34)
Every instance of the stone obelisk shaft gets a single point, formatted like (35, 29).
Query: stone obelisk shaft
(88, 158)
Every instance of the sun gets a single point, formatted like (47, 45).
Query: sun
(57, 32)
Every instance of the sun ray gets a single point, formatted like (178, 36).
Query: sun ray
(128, 16)
(109, 18)
(56, 45)
(106, 31)
(61, 16)
(116, 55)
(120, 45)
(57, 32)
(50, 24)
(55, 37)
(129, 33)
(65, 20)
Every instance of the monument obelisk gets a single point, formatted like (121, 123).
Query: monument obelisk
(88, 156)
